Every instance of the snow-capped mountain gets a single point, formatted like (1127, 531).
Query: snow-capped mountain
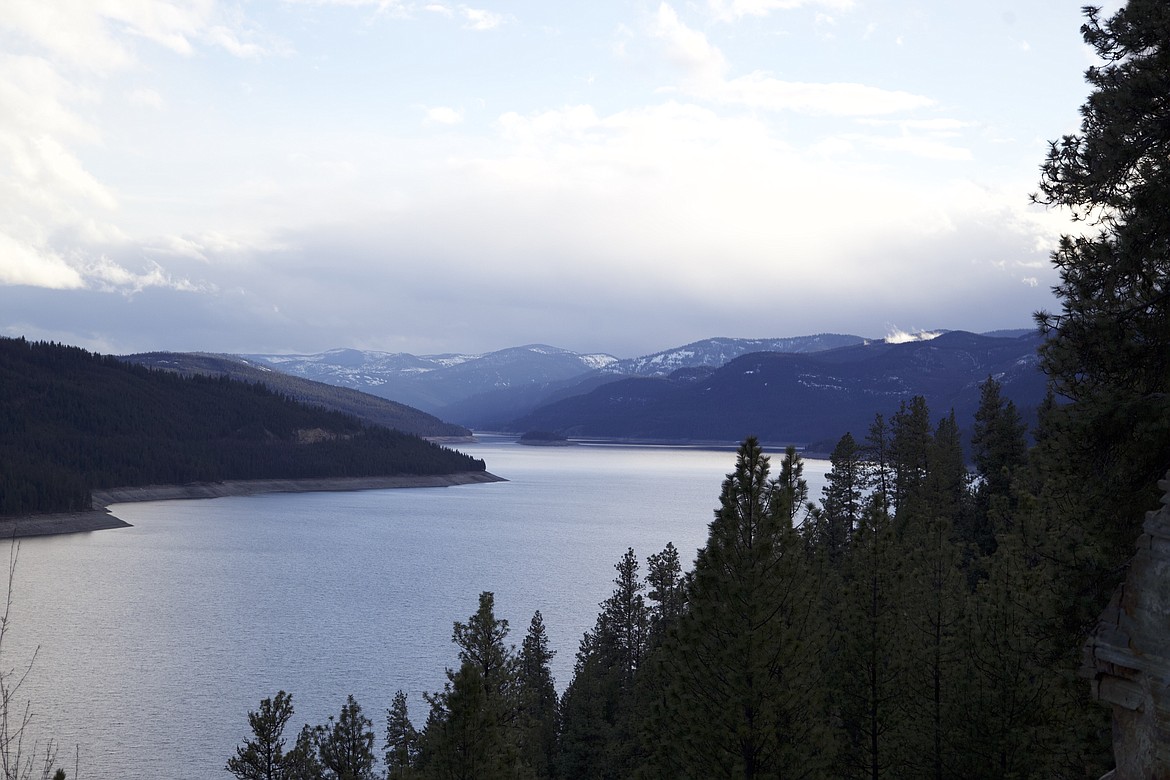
(434, 382)
(712, 353)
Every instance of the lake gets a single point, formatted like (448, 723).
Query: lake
(155, 641)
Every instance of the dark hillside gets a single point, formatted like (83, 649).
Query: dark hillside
(72, 422)
(371, 409)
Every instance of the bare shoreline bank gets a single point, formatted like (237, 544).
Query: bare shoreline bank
(100, 518)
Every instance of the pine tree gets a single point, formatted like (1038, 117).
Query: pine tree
(471, 730)
(401, 740)
(909, 451)
(538, 718)
(263, 756)
(600, 719)
(841, 498)
(876, 456)
(999, 449)
(793, 486)
(743, 663)
(664, 579)
(345, 746)
(1108, 349)
(867, 670)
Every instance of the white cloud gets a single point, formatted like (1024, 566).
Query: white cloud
(444, 115)
(688, 49)
(21, 263)
(732, 10)
(479, 19)
(929, 148)
(99, 35)
(705, 72)
(896, 335)
(759, 90)
(106, 275)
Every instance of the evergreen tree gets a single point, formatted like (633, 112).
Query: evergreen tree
(1025, 714)
(999, 450)
(876, 456)
(301, 761)
(539, 718)
(909, 451)
(866, 672)
(345, 746)
(1108, 349)
(471, 730)
(586, 738)
(841, 498)
(743, 664)
(401, 740)
(599, 730)
(263, 757)
(933, 598)
(793, 486)
(664, 578)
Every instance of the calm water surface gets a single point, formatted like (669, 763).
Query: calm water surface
(154, 641)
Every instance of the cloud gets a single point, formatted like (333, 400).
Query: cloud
(895, 335)
(444, 115)
(108, 276)
(733, 10)
(99, 35)
(479, 19)
(759, 90)
(28, 265)
(705, 70)
(688, 49)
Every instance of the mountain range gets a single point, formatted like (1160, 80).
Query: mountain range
(805, 390)
(804, 399)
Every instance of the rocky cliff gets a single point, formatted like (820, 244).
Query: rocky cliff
(1128, 657)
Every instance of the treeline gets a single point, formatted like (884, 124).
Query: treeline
(921, 621)
(72, 422)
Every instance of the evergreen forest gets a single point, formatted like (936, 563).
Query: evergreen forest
(915, 622)
(925, 618)
(72, 422)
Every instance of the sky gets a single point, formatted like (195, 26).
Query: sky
(618, 177)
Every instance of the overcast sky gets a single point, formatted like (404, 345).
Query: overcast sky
(603, 176)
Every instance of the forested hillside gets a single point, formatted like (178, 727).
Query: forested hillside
(370, 408)
(72, 422)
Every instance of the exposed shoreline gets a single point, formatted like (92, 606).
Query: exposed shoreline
(100, 518)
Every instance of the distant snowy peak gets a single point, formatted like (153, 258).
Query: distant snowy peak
(597, 361)
(713, 353)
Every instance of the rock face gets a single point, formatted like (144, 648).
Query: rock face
(1128, 657)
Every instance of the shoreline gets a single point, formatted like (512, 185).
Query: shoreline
(100, 518)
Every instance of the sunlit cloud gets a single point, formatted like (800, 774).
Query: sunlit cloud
(705, 70)
(106, 275)
(480, 19)
(444, 115)
(896, 335)
(732, 10)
